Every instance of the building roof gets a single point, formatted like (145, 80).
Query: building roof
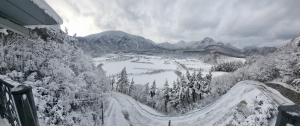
(15, 14)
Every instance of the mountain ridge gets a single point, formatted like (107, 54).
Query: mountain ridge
(113, 41)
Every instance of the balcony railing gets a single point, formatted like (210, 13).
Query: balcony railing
(7, 106)
(17, 105)
(288, 114)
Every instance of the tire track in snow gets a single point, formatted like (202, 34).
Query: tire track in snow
(135, 117)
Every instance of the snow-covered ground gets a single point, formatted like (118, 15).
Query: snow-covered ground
(126, 111)
(4, 122)
(160, 78)
(144, 69)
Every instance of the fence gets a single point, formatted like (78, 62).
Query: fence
(86, 105)
(7, 106)
(288, 114)
(17, 105)
(25, 105)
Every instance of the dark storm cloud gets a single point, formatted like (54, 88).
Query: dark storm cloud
(239, 22)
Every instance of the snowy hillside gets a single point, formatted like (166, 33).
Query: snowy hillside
(167, 45)
(253, 50)
(282, 66)
(57, 70)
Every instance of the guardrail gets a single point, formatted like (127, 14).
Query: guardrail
(7, 105)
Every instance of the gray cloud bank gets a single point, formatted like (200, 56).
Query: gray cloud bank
(238, 22)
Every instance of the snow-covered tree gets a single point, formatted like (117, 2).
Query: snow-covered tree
(123, 82)
(147, 89)
(188, 75)
(131, 87)
(166, 94)
(56, 69)
(66, 30)
(153, 89)
(112, 83)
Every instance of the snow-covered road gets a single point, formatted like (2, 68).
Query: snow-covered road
(121, 104)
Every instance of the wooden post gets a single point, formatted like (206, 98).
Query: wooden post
(169, 122)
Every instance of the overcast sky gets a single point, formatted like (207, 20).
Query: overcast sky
(238, 22)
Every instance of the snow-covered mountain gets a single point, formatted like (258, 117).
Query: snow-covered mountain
(254, 50)
(114, 41)
(190, 45)
(166, 45)
(119, 41)
(205, 46)
(209, 45)
(196, 44)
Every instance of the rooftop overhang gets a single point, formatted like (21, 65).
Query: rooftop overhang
(15, 14)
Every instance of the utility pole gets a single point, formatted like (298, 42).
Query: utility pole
(102, 112)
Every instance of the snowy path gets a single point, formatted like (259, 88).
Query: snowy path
(246, 90)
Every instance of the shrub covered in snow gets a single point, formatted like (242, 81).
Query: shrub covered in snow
(252, 112)
(227, 66)
(296, 84)
(57, 70)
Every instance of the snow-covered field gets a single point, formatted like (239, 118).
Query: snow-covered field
(145, 69)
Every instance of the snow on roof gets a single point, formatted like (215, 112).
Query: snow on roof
(42, 4)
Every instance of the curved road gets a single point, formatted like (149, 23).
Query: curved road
(125, 111)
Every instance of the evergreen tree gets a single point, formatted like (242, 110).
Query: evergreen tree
(123, 82)
(153, 88)
(166, 94)
(176, 97)
(66, 30)
(131, 87)
(198, 85)
(188, 75)
(174, 86)
(112, 83)
(193, 86)
(147, 89)
(145, 93)
(199, 76)
(206, 83)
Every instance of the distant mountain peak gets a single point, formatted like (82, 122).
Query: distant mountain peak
(207, 40)
(181, 41)
(114, 41)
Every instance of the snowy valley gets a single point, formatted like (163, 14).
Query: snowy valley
(145, 63)
(147, 89)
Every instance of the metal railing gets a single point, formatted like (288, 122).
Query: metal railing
(288, 114)
(17, 105)
(7, 106)
(25, 105)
